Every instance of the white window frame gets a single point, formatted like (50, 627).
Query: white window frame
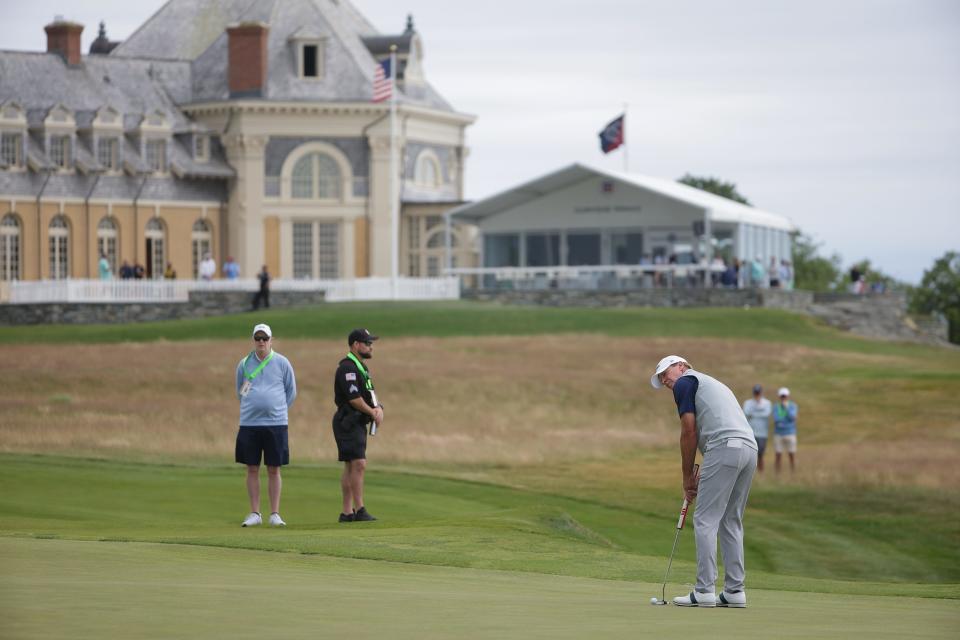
(60, 129)
(58, 237)
(108, 238)
(201, 239)
(155, 154)
(59, 149)
(155, 237)
(201, 147)
(299, 43)
(316, 237)
(11, 143)
(345, 184)
(10, 245)
(113, 149)
(426, 158)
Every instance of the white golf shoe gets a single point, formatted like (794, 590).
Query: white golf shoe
(276, 520)
(696, 599)
(252, 520)
(734, 599)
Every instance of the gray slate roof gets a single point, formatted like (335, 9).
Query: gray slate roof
(195, 31)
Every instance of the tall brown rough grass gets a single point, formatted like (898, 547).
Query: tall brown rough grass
(581, 404)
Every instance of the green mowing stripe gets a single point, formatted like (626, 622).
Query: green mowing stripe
(429, 520)
(449, 319)
(60, 588)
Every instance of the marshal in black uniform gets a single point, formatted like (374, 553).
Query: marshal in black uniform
(357, 411)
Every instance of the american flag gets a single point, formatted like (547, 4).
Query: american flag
(382, 81)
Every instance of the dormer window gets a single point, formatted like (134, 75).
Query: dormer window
(311, 67)
(155, 132)
(201, 148)
(60, 151)
(108, 153)
(11, 149)
(60, 128)
(308, 50)
(13, 126)
(107, 133)
(155, 152)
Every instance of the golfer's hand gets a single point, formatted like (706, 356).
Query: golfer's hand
(690, 487)
(378, 415)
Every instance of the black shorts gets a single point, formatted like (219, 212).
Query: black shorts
(350, 432)
(271, 442)
(761, 446)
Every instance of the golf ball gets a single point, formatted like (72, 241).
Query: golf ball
(653, 601)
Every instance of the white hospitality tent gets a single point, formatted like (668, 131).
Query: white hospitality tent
(586, 216)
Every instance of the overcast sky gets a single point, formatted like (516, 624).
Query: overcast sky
(843, 115)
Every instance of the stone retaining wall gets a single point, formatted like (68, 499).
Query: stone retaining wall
(201, 304)
(680, 297)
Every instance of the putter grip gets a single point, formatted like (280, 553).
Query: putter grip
(686, 503)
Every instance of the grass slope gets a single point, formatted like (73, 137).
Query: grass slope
(439, 521)
(53, 588)
(446, 319)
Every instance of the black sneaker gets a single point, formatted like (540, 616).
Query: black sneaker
(362, 515)
(346, 517)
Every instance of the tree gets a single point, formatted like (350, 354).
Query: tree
(811, 271)
(715, 186)
(939, 292)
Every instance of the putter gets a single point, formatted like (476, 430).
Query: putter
(683, 518)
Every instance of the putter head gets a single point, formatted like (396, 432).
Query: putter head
(657, 601)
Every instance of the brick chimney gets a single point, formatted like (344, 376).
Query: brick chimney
(247, 59)
(64, 38)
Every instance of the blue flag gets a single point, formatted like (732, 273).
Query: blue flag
(612, 135)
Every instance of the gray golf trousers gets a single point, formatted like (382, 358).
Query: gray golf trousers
(725, 476)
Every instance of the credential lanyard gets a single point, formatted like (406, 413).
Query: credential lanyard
(256, 372)
(367, 381)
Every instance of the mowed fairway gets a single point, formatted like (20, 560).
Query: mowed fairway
(526, 484)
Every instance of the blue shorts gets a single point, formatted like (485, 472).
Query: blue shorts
(270, 442)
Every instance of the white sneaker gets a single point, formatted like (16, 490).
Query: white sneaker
(252, 520)
(276, 520)
(737, 600)
(696, 599)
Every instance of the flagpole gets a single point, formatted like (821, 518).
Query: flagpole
(394, 195)
(626, 145)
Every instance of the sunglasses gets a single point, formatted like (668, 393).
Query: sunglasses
(261, 338)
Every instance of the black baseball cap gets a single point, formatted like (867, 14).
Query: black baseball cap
(363, 335)
(757, 388)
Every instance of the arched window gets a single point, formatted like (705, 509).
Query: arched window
(59, 234)
(201, 244)
(427, 171)
(155, 234)
(107, 241)
(315, 175)
(10, 247)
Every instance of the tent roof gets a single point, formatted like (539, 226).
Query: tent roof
(721, 209)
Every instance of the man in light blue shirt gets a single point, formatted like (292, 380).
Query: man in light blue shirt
(266, 387)
(785, 429)
(758, 410)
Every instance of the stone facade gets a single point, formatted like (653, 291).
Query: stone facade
(651, 297)
(202, 304)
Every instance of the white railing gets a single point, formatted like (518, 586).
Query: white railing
(592, 277)
(132, 291)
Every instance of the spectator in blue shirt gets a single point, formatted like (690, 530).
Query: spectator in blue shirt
(266, 387)
(785, 429)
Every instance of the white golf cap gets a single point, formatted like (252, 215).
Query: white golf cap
(783, 391)
(265, 328)
(662, 366)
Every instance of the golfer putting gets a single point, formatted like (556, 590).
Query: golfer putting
(712, 421)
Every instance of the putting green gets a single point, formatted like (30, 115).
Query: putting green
(55, 588)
